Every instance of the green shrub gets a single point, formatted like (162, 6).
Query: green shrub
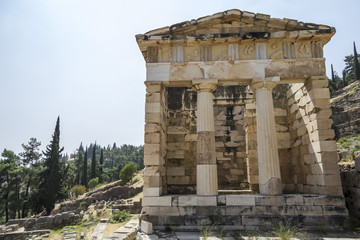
(119, 216)
(77, 190)
(127, 173)
(93, 183)
(83, 205)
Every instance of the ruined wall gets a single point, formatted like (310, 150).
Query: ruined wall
(235, 138)
(229, 138)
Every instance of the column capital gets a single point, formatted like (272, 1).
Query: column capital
(204, 85)
(263, 82)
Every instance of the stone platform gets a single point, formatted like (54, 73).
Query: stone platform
(245, 212)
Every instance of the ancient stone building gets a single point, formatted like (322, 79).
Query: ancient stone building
(237, 126)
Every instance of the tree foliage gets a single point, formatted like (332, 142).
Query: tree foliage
(51, 186)
(127, 173)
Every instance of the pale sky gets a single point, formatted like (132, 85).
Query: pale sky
(78, 59)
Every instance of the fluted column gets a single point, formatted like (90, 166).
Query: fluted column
(268, 157)
(206, 180)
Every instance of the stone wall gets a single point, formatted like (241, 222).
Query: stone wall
(235, 138)
(313, 149)
(244, 212)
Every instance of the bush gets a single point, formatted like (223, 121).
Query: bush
(93, 183)
(119, 216)
(77, 190)
(127, 173)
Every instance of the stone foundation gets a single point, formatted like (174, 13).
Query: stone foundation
(245, 212)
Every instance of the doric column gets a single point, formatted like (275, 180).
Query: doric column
(268, 157)
(206, 180)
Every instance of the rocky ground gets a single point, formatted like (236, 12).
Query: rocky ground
(84, 218)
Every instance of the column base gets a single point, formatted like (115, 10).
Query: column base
(272, 187)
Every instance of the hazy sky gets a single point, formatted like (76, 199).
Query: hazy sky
(78, 59)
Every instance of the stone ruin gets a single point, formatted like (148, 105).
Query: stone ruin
(237, 128)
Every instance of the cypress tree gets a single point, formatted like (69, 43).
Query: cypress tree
(356, 64)
(93, 163)
(101, 165)
(52, 177)
(84, 177)
(332, 73)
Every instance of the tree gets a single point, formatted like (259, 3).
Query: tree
(101, 165)
(79, 162)
(127, 173)
(9, 168)
(51, 186)
(349, 71)
(356, 65)
(93, 162)
(30, 157)
(84, 177)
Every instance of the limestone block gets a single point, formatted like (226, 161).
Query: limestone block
(177, 130)
(152, 128)
(161, 211)
(177, 154)
(191, 137)
(146, 227)
(153, 87)
(156, 201)
(310, 210)
(240, 200)
(291, 200)
(311, 179)
(187, 200)
(178, 180)
(153, 97)
(335, 210)
(153, 160)
(332, 180)
(236, 172)
(175, 171)
(318, 93)
(153, 118)
(206, 201)
(150, 192)
(177, 146)
(152, 138)
(320, 124)
(329, 200)
(152, 107)
(321, 114)
(322, 146)
(269, 200)
(322, 135)
(151, 171)
(153, 181)
(152, 149)
(320, 82)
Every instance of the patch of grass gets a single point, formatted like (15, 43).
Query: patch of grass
(286, 231)
(119, 216)
(206, 232)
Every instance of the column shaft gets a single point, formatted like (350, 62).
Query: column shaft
(206, 180)
(268, 157)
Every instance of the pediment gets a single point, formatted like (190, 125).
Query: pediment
(236, 21)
